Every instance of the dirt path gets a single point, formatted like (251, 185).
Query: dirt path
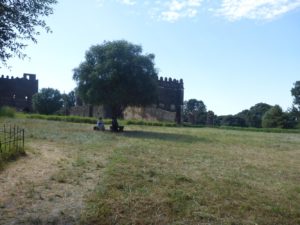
(48, 186)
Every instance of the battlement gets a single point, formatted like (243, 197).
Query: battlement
(170, 83)
(26, 76)
(170, 95)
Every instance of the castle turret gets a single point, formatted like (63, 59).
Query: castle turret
(170, 96)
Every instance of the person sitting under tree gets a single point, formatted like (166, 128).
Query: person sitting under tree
(100, 125)
(115, 126)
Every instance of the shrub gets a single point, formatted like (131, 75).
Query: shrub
(6, 111)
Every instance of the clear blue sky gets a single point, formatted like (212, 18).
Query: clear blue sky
(231, 54)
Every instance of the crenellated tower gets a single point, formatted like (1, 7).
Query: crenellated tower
(170, 96)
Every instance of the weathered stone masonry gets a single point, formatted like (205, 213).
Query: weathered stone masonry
(17, 92)
(170, 96)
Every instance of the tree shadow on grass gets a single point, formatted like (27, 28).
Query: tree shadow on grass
(165, 136)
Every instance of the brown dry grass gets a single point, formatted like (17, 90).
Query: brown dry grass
(49, 184)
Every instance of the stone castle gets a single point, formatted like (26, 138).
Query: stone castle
(17, 92)
(168, 107)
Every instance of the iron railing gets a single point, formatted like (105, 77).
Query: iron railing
(11, 141)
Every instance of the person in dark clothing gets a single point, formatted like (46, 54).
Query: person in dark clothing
(114, 125)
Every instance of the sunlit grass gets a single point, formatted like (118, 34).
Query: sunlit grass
(164, 175)
(191, 176)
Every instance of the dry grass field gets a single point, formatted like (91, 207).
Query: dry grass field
(151, 175)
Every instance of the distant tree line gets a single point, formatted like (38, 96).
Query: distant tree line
(261, 115)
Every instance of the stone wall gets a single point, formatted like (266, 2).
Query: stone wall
(149, 113)
(170, 96)
(168, 107)
(88, 111)
(146, 113)
(17, 92)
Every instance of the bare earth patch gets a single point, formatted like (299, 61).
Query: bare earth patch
(47, 186)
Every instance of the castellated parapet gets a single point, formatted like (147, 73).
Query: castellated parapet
(170, 96)
(17, 92)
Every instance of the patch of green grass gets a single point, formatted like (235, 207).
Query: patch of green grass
(266, 130)
(73, 119)
(6, 111)
(92, 120)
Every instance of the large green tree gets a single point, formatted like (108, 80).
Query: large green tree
(195, 112)
(274, 118)
(295, 91)
(210, 118)
(69, 100)
(19, 20)
(47, 101)
(116, 74)
(253, 116)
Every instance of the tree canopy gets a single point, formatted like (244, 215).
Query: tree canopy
(69, 100)
(116, 74)
(47, 101)
(19, 22)
(253, 116)
(296, 93)
(195, 105)
(231, 120)
(195, 112)
(274, 118)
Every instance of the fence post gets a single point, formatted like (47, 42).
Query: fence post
(17, 142)
(4, 140)
(14, 138)
(0, 142)
(11, 139)
(23, 138)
